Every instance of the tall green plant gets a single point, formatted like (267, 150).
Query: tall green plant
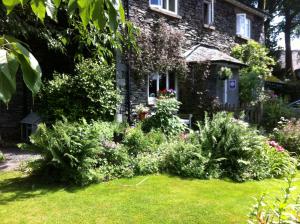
(259, 67)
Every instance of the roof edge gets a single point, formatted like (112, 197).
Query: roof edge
(248, 8)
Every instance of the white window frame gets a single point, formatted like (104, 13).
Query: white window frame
(152, 100)
(243, 25)
(211, 12)
(160, 6)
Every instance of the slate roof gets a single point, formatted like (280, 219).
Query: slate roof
(202, 54)
(31, 118)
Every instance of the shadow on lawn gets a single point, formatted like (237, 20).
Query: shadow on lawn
(22, 188)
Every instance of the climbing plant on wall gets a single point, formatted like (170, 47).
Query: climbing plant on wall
(162, 51)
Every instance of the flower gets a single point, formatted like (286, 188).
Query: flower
(275, 145)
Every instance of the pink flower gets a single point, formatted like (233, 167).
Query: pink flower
(275, 145)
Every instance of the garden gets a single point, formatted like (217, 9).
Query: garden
(155, 169)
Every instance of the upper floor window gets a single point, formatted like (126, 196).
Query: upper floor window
(208, 12)
(168, 5)
(243, 25)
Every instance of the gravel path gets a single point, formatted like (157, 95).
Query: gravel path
(14, 157)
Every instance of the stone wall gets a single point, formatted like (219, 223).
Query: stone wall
(190, 22)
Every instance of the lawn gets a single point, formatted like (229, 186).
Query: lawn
(151, 199)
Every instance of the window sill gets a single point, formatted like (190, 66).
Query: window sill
(242, 37)
(165, 12)
(211, 27)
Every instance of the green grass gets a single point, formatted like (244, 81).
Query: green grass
(152, 199)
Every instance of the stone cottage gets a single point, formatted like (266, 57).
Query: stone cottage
(211, 28)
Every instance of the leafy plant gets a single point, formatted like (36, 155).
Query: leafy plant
(165, 118)
(14, 55)
(259, 67)
(281, 210)
(234, 146)
(79, 153)
(186, 160)
(225, 73)
(288, 135)
(274, 109)
(89, 93)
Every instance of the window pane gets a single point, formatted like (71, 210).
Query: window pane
(172, 6)
(164, 5)
(155, 2)
(152, 86)
(172, 81)
(162, 82)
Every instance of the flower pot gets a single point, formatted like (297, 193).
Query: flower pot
(142, 115)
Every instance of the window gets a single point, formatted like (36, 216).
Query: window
(208, 12)
(243, 26)
(168, 5)
(157, 82)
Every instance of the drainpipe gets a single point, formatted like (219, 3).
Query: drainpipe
(128, 74)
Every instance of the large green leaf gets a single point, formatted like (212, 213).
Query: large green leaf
(98, 14)
(51, 9)
(8, 69)
(84, 11)
(30, 67)
(39, 8)
(10, 4)
(113, 15)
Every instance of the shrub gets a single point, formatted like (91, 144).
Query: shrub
(288, 135)
(165, 118)
(2, 158)
(139, 142)
(89, 93)
(234, 146)
(281, 164)
(148, 163)
(79, 152)
(185, 159)
(273, 110)
(259, 67)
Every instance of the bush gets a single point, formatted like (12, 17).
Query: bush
(139, 142)
(186, 160)
(89, 93)
(79, 152)
(165, 118)
(273, 110)
(288, 135)
(234, 146)
(148, 163)
(280, 162)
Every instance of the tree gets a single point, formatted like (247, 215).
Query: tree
(103, 14)
(259, 67)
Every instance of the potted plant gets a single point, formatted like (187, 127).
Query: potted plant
(225, 73)
(141, 111)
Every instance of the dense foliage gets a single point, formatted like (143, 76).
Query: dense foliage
(273, 110)
(165, 117)
(79, 152)
(259, 66)
(288, 135)
(83, 153)
(89, 93)
(162, 48)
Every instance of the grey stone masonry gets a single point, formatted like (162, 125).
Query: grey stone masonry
(190, 21)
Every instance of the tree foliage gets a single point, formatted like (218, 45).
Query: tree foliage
(259, 67)
(103, 15)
